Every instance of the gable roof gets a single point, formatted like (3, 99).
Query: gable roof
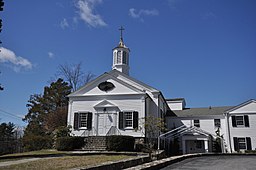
(207, 111)
(240, 105)
(121, 78)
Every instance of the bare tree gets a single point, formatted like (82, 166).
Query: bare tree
(74, 75)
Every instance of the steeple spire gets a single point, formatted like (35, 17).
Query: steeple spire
(121, 42)
(121, 55)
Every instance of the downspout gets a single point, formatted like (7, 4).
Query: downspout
(145, 113)
(229, 136)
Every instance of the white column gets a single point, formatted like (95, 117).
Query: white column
(183, 146)
(206, 146)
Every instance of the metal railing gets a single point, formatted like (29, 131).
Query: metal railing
(90, 132)
(113, 131)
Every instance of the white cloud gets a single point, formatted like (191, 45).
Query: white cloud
(64, 23)
(50, 54)
(87, 14)
(142, 12)
(16, 62)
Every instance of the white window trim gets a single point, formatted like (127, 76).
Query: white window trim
(83, 127)
(245, 142)
(130, 127)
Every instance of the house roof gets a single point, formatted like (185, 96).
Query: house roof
(190, 112)
(175, 99)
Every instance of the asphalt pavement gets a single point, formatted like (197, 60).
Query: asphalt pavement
(233, 162)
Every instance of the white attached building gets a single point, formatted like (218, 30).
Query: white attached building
(196, 128)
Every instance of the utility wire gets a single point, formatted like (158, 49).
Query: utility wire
(10, 114)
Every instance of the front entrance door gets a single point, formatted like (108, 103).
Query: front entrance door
(195, 146)
(105, 121)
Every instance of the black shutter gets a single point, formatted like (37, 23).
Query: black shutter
(135, 120)
(248, 143)
(121, 120)
(76, 121)
(246, 120)
(89, 120)
(236, 147)
(233, 121)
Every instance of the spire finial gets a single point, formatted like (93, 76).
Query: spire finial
(121, 43)
(121, 29)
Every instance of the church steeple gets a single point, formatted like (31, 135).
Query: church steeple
(121, 56)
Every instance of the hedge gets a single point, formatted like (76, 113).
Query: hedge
(34, 142)
(120, 143)
(69, 143)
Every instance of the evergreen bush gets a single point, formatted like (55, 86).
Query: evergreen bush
(120, 143)
(69, 143)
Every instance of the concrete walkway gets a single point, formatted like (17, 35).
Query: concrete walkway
(8, 163)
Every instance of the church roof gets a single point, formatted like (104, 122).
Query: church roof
(207, 111)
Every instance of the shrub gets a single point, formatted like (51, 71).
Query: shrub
(35, 142)
(69, 143)
(120, 143)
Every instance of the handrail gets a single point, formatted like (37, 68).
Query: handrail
(113, 131)
(91, 132)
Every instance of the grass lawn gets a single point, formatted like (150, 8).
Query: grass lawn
(66, 162)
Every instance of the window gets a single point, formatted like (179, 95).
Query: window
(217, 123)
(119, 57)
(242, 143)
(240, 121)
(196, 123)
(128, 119)
(124, 58)
(82, 120)
(115, 58)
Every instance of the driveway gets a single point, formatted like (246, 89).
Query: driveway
(232, 162)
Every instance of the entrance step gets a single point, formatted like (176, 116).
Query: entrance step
(97, 143)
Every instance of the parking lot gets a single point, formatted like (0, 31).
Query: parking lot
(234, 162)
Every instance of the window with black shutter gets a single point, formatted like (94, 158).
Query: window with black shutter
(248, 143)
(135, 120)
(240, 121)
(128, 119)
(76, 121)
(121, 120)
(246, 121)
(82, 120)
(233, 121)
(242, 143)
(89, 120)
(235, 143)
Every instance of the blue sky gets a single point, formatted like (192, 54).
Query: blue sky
(202, 50)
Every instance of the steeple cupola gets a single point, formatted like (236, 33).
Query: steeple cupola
(121, 56)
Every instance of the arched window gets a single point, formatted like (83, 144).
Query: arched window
(124, 58)
(119, 57)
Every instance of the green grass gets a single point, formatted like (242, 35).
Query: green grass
(66, 162)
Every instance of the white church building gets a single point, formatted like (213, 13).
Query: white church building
(116, 104)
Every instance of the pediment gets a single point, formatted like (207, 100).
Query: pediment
(104, 104)
(120, 87)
